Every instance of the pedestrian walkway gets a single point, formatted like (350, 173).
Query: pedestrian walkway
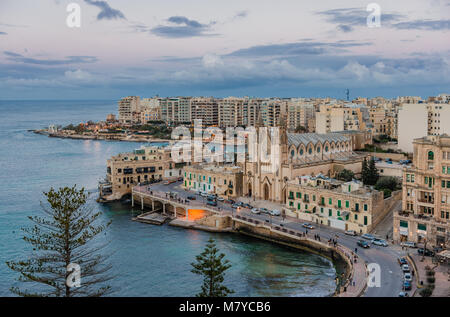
(442, 276)
(357, 282)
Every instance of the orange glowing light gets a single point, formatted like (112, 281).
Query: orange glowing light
(195, 214)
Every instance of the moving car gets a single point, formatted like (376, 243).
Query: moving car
(405, 268)
(307, 226)
(212, 203)
(190, 197)
(380, 242)
(363, 244)
(427, 252)
(407, 286)
(409, 244)
(350, 232)
(368, 236)
(407, 277)
(256, 211)
(403, 294)
(275, 212)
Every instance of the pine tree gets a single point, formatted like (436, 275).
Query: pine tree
(209, 264)
(61, 241)
(373, 174)
(364, 172)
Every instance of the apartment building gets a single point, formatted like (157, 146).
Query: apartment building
(223, 180)
(128, 107)
(206, 109)
(421, 119)
(126, 170)
(300, 113)
(330, 118)
(426, 194)
(273, 111)
(341, 205)
(175, 110)
(231, 112)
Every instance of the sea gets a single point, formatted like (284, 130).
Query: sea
(146, 260)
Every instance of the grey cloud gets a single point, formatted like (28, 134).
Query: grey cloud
(18, 58)
(3, 33)
(183, 28)
(348, 18)
(429, 25)
(106, 13)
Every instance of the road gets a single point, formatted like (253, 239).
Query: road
(391, 276)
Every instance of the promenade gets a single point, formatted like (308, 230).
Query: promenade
(385, 257)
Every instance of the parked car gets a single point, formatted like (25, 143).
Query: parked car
(190, 197)
(229, 201)
(264, 210)
(212, 203)
(407, 286)
(235, 206)
(211, 197)
(405, 268)
(403, 294)
(368, 236)
(203, 194)
(409, 244)
(407, 277)
(307, 226)
(248, 206)
(180, 179)
(427, 252)
(166, 183)
(275, 212)
(256, 211)
(380, 242)
(363, 244)
(220, 198)
(402, 261)
(350, 232)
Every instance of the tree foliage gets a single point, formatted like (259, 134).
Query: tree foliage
(64, 236)
(369, 172)
(345, 175)
(211, 265)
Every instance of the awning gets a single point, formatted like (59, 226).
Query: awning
(444, 254)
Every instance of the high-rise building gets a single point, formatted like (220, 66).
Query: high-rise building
(128, 106)
(299, 113)
(206, 109)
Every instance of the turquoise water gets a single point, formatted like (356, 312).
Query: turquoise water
(148, 260)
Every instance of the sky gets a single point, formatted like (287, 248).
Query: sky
(261, 48)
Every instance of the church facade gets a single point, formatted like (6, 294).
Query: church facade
(292, 155)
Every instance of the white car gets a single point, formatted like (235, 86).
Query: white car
(380, 242)
(275, 212)
(203, 194)
(256, 211)
(408, 277)
(350, 232)
(405, 268)
(409, 244)
(220, 199)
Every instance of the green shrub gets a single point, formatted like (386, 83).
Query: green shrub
(426, 292)
(431, 280)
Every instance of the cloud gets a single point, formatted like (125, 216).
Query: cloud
(18, 58)
(3, 33)
(349, 18)
(429, 25)
(182, 27)
(106, 13)
(77, 75)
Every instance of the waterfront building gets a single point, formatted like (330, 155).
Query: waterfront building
(128, 106)
(144, 165)
(223, 180)
(175, 110)
(342, 205)
(426, 194)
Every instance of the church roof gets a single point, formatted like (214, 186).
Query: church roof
(305, 138)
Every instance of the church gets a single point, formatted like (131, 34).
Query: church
(293, 155)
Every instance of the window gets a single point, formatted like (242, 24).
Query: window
(357, 207)
(310, 150)
(298, 206)
(330, 201)
(347, 204)
(301, 151)
(299, 195)
(292, 153)
(339, 204)
(326, 149)
(365, 207)
(330, 213)
(430, 155)
(403, 223)
(422, 226)
(365, 220)
(356, 217)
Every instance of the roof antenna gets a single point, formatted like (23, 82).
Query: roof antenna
(347, 92)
